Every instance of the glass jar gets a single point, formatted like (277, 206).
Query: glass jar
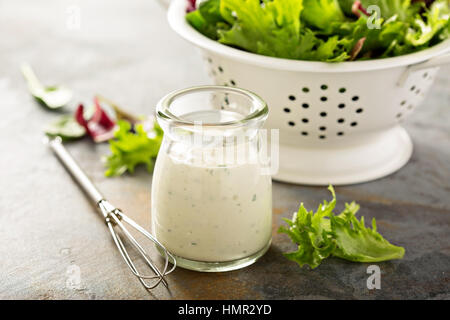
(212, 190)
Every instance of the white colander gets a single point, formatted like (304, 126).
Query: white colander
(339, 122)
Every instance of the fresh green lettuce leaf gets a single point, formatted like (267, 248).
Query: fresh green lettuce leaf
(323, 30)
(272, 29)
(66, 127)
(403, 9)
(321, 234)
(196, 20)
(355, 242)
(275, 30)
(435, 20)
(207, 18)
(128, 149)
(320, 13)
(311, 232)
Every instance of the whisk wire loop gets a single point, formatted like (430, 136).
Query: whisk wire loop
(114, 218)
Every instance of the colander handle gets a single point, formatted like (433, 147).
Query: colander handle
(433, 62)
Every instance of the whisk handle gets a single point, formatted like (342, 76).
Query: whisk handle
(77, 173)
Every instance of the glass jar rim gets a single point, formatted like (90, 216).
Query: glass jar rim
(163, 106)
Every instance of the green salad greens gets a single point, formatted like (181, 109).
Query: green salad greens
(128, 148)
(324, 30)
(66, 127)
(322, 234)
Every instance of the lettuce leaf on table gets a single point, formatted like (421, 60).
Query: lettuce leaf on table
(272, 30)
(128, 149)
(207, 19)
(323, 30)
(322, 234)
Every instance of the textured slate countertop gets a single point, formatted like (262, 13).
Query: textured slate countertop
(126, 52)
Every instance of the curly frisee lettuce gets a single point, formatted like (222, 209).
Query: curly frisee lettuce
(324, 30)
(322, 234)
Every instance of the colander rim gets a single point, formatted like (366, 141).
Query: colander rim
(177, 21)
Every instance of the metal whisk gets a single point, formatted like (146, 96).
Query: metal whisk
(114, 219)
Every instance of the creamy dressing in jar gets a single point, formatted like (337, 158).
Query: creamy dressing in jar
(208, 213)
(211, 210)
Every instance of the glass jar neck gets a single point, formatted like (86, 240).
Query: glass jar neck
(211, 112)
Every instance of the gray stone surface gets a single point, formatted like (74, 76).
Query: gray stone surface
(126, 51)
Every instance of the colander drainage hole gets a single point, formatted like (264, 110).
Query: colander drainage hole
(417, 91)
(413, 88)
(322, 128)
(360, 110)
(323, 99)
(403, 103)
(340, 133)
(425, 74)
(233, 83)
(341, 106)
(399, 115)
(304, 133)
(305, 106)
(354, 124)
(305, 89)
(304, 120)
(355, 98)
(287, 110)
(322, 137)
(291, 123)
(342, 90)
(220, 69)
(341, 120)
(292, 98)
(324, 87)
(323, 114)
